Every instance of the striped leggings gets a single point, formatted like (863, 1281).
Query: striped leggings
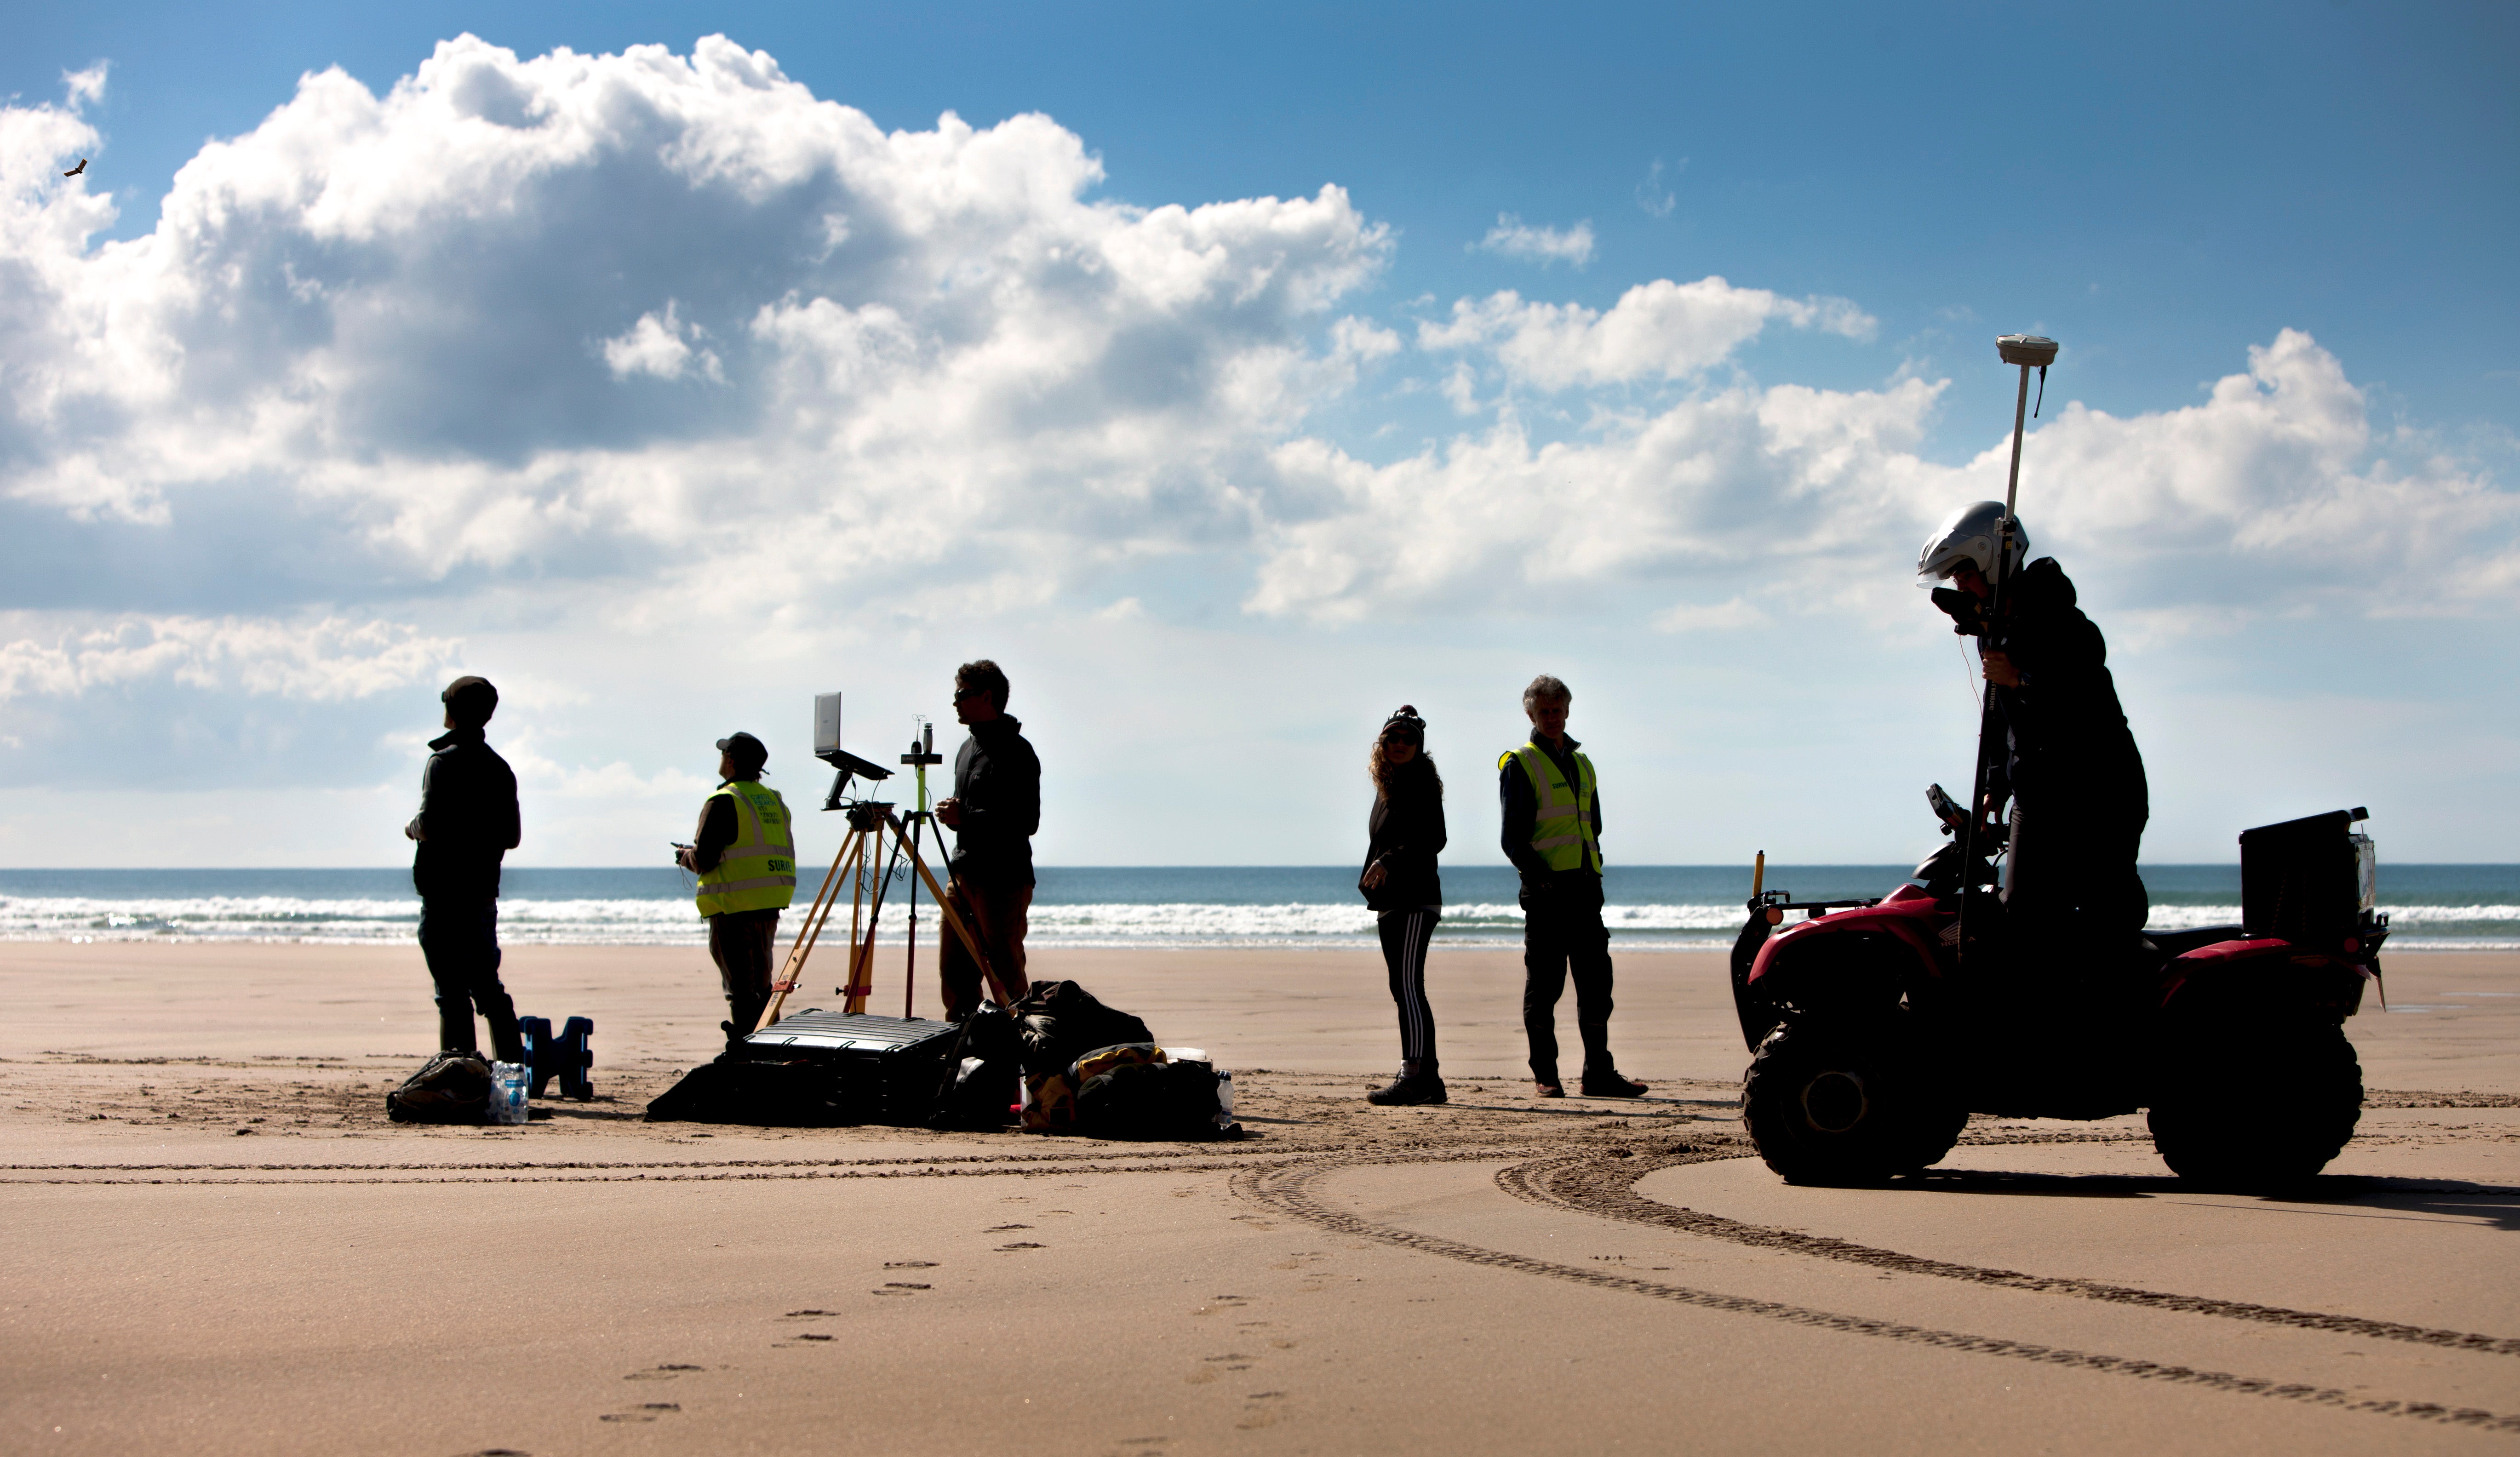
(1405, 933)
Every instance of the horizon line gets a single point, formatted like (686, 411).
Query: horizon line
(1773, 864)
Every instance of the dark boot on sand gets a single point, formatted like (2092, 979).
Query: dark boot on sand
(1412, 1087)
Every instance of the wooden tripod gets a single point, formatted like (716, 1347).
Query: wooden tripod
(863, 853)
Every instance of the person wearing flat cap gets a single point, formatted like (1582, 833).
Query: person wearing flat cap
(744, 853)
(468, 822)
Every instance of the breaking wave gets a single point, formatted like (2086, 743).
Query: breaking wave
(650, 921)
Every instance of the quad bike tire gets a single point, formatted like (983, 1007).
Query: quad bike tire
(2257, 1109)
(1845, 1107)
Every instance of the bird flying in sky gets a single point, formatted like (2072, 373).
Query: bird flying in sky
(75, 171)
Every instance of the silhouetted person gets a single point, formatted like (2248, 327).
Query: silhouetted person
(994, 811)
(2069, 763)
(468, 822)
(1401, 886)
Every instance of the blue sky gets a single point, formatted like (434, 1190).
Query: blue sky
(1639, 346)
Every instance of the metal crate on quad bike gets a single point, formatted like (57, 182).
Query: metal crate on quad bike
(1878, 1027)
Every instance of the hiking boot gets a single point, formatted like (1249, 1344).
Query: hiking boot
(1405, 1092)
(1611, 1084)
(1548, 1091)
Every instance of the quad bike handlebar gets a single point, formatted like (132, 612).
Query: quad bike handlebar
(1777, 902)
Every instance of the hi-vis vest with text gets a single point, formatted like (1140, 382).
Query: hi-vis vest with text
(758, 871)
(1562, 829)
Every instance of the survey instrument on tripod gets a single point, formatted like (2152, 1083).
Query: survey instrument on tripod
(879, 842)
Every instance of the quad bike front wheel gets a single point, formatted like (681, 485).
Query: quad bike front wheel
(1845, 1107)
(2258, 1108)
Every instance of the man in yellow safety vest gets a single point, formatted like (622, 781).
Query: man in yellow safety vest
(1552, 834)
(746, 854)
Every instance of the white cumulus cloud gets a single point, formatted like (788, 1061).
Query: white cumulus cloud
(1512, 237)
(1659, 330)
(398, 319)
(658, 345)
(2273, 494)
(326, 659)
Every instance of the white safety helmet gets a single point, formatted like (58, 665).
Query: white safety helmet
(1968, 536)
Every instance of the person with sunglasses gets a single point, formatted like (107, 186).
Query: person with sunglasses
(1402, 888)
(994, 811)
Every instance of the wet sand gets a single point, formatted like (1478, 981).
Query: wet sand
(219, 1245)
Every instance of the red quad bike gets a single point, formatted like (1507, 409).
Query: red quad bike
(1879, 1025)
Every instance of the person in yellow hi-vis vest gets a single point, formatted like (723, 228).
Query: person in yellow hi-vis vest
(745, 854)
(1552, 834)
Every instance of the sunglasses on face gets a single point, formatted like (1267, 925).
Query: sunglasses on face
(962, 694)
(1404, 736)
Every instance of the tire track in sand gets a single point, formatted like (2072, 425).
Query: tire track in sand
(1286, 1188)
(1605, 1184)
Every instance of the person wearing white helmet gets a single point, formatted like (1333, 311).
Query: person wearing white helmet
(2070, 767)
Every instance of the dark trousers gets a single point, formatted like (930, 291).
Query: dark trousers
(2070, 865)
(459, 937)
(998, 917)
(1562, 932)
(1405, 933)
(743, 944)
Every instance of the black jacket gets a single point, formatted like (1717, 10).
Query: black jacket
(467, 818)
(1405, 832)
(1521, 805)
(2066, 738)
(997, 778)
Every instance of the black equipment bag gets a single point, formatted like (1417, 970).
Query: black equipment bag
(453, 1087)
(1149, 1100)
(843, 1068)
(983, 1072)
(1061, 1022)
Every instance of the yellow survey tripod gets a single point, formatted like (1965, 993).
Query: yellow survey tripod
(870, 867)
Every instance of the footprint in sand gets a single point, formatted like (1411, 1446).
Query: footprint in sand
(1023, 1245)
(666, 1372)
(647, 1411)
(910, 1264)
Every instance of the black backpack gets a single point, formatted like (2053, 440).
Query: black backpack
(983, 1074)
(453, 1087)
(1061, 1022)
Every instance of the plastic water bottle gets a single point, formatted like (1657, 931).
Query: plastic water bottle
(509, 1084)
(1224, 1098)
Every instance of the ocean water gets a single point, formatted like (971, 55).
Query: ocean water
(1666, 906)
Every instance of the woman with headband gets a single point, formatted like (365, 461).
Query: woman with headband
(1402, 888)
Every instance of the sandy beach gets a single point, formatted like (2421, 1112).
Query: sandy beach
(220, 1245)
